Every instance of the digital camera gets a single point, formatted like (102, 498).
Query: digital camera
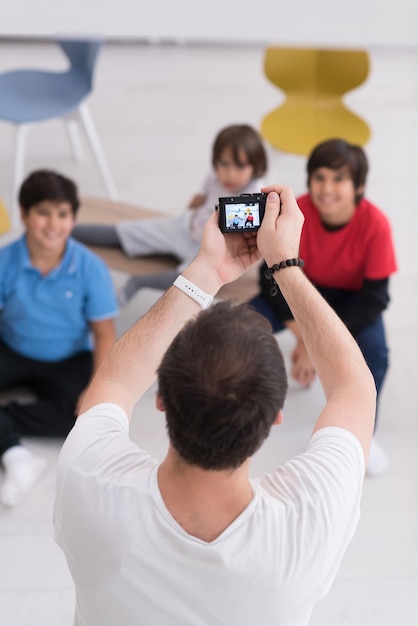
(240, 213)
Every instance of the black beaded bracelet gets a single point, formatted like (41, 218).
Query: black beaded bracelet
(279, 266)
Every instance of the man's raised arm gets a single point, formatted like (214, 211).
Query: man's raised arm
(129, 369)
(347, 382)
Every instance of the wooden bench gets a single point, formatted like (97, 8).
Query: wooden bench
(98, 210)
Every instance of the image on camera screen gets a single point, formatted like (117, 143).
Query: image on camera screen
(245, 216)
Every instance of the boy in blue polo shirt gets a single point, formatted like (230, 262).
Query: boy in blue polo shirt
(57, 310)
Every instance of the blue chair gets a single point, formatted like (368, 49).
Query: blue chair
(31, 96)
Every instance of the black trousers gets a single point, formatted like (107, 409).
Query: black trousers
(56, 386)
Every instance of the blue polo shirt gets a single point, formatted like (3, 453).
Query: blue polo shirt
(47, 317)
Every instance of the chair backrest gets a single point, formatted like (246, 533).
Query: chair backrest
(82, 54)
(316, 71)
(340, 71)
(314, 82)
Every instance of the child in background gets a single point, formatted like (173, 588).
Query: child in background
(348, 251)
(238, 163)
(54, 294)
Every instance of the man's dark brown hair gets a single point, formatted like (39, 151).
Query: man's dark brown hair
(222, 382)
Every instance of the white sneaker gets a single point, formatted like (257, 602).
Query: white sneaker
(378, 460)
(22, 471)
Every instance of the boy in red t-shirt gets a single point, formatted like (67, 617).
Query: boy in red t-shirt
(348, 251)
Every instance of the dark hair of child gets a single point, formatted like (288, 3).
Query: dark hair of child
(241, 137)
(43, 185)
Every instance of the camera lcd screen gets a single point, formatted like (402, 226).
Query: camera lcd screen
(242, 216)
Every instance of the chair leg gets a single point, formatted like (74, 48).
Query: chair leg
(21, 131)
(71, 125)
(97, 151)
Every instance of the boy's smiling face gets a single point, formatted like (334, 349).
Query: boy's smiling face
(333, 193)
(48, 225)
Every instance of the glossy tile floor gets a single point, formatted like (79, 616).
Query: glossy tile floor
(157, 109)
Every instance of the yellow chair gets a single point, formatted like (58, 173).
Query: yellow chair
(5, 224)
(314, 81)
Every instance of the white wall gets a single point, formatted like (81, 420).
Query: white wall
(297, 22)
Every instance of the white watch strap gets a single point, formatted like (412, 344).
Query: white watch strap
(187, 287)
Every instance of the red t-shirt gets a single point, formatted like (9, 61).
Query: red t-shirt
(362, 249)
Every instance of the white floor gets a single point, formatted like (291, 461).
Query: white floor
(157, 109)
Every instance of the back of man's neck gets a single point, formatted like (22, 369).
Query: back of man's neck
(204, 503)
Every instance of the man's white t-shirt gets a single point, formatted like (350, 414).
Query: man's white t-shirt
(133, 565)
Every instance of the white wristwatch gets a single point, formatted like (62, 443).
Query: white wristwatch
(187, 287)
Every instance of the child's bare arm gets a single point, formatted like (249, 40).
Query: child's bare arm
(196, 201)
(104, 336)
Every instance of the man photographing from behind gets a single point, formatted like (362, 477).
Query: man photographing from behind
(193, 540)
